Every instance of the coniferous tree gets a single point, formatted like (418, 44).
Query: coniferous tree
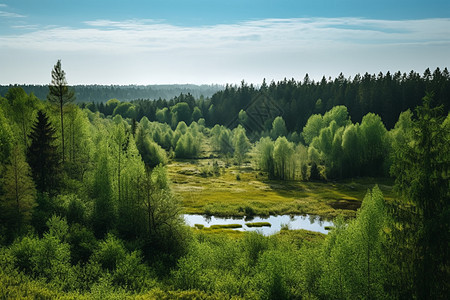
(42, 155)
(421, 229)
(60, 94)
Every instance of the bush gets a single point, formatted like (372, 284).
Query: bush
(254, 245)
(132, 274)
(109, 253)
(82, 243)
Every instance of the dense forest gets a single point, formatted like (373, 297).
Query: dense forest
(386, 95)
(87, 208)
(102, 93)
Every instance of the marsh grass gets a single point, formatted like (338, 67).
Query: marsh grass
(199, 226)
(253, 194)
(258, 224)
(226, 226)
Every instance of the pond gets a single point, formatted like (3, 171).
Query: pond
(308, 222)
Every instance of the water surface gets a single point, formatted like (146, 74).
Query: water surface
(308, 222)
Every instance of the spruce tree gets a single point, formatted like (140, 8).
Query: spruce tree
(42, 155)
(420, 233)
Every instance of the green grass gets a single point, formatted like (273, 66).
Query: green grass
(258, 224)
(253, 194)
(226, 226)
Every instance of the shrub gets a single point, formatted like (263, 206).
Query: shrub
(109, 253)
(254, 245)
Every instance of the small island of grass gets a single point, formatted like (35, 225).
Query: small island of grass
(226, 226)
(258, 224)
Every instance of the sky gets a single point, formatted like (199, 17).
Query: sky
(218, 42)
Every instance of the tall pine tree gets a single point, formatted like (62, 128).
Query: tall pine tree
(60, 94)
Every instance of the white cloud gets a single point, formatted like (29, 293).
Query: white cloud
(149, 35)
(6, 14)
(150, 50)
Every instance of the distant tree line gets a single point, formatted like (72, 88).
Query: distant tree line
(386, 95)
(102, 93)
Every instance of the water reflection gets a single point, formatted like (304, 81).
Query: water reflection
(308, 222)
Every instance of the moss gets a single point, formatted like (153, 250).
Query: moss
(226, 226)
(258, 224)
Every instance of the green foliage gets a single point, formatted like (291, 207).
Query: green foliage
(21, 109)
(283, 151)
(354, 265)
(196, 114)
(60, 94)
(421, 226)
(375, 144)
(338, 148)
(264, 156)
(278, 128)
(110, 253)
(243, 117)
(241, 144)
(110, 106)
(254, 244)
(79, 143)
(312, 128)
(6, 139)
(82, 243)
(42, 155)
(187, 146)
(125, 109)
(181, 112)
(152, 154)
(48, 257)
(19, 191)
(76, 210)
(163, 115)
(104, 212)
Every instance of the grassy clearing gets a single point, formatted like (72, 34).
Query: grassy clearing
(253, 194)
(258, 224)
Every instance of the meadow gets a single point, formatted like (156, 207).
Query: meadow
(254, 195)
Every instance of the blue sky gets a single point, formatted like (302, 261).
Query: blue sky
(208, 41)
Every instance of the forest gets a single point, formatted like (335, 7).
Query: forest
(92, 194)
(102, 93)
